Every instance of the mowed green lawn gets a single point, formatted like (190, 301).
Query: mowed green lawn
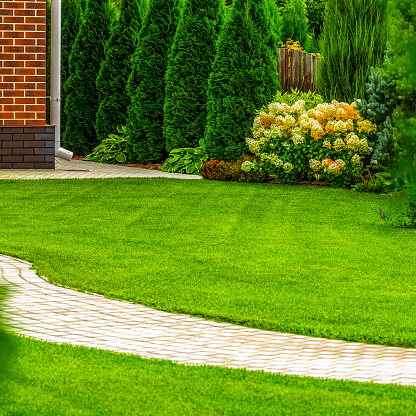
(50, 380)
(309, 261)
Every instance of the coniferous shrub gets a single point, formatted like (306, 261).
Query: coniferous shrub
(353, 40)
(295, 22)
(189, 67)
(377, 106)
(116, 68)
(146, 84)
(84, 64)
(72, 12)
(244, 77)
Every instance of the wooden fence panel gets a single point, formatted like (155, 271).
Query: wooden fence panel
(297, 69)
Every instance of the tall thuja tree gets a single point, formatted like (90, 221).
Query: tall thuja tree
(146, 84)
(399, 69)
(189, 67)
(353, 40)
(295, 22)
(84, 64)
(72, 11)
(276, 18)
(116, 69)
(243, 78)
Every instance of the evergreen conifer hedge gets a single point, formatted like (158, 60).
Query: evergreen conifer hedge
(295, 22)
(72, 11)
(353, 40)
(243, 79)
(116, 68)
(189, 67)
(84, 64)
(146, 84)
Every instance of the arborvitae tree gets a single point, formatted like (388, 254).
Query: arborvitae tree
(72, 11)
(116, 69)
(84, 63)
(353, 40)
(146, 84)
(276, 18)
(295, 22)
(243, 79)
(190, 63)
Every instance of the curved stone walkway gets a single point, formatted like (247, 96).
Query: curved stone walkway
(52, 313)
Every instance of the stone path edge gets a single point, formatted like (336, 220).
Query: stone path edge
(57, 314)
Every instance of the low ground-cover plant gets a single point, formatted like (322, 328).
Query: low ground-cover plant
(246, 169)
(186, 159)
(328, 141)
(112, 149)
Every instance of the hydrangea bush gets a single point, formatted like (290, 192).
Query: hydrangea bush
(329, 141)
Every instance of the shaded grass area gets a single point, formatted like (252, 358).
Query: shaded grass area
(316, 262)
(50, 379)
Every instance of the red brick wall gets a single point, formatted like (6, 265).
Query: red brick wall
(22, 63)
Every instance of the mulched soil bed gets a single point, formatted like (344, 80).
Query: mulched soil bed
(156, 166)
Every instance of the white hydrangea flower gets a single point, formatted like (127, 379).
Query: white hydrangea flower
(315, 164)
(247, 166)
(341, 163)
(273, 159)
(253, 145)
(339, 144)
(289, 120)
(356, 159)
(287, 167)
(286, 145)
(297, 139)
(374, 162)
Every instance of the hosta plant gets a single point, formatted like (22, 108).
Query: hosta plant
(328, 141)
(186, 159)
(112, 149)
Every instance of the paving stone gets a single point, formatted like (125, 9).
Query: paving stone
(52, 313)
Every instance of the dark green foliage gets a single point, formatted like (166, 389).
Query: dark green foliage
(116, 68)
(146, 84)
(189, 67)
(72, 11)
(315, 10)
(295, 22)
(84, 64)
(353, 40)
(276, 18)
(243, 78)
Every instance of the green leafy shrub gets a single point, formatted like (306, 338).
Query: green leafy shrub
(328, 141)
(245, 169)
(112, 149)
(311, 99)
(186, 160)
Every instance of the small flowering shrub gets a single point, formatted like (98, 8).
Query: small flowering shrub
(245, 169)
(328, 141)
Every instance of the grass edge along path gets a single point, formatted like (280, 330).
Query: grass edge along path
(316, 262)
(50, 379)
